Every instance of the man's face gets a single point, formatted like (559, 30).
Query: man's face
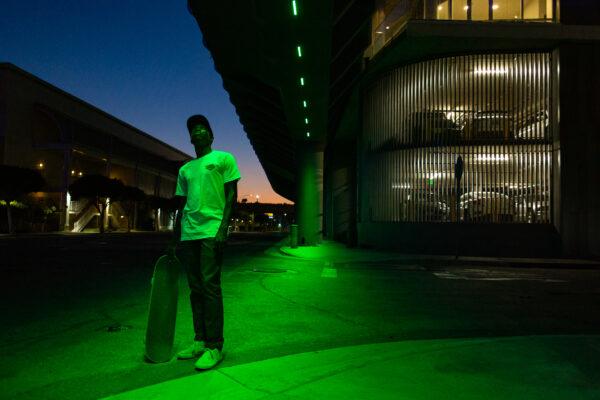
(200, 136)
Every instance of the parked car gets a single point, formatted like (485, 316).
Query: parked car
(534, 126)
(490, 125)
(427, 206)
(390, 144)
(433, 127)
(486, 206)
(532, 208)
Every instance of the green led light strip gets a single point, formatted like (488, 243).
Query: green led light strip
(299, 53)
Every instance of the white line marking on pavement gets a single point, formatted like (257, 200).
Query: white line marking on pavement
(491, 275)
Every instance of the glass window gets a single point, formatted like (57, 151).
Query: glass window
(442, 11)
(480, 10)
(506, 9)
(537, 9)
(460, 10)
(484, 10)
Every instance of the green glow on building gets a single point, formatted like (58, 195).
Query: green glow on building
(305, 103)
(301, 81)
(299, 49)
(294, 7)
(306, 121)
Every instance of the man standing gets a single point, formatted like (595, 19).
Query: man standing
(206, 192)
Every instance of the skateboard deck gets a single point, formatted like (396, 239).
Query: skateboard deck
(162, 311)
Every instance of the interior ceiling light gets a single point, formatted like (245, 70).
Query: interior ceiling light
(304, 103)
(299, 50)
(492, 157)
(307, 134)
(495, 7)
(306, 121)
(491, 71)
(294, 7)
(301, 81)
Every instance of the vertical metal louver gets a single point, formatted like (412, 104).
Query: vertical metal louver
(492, 110)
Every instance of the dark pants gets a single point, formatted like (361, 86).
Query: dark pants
(202, 260)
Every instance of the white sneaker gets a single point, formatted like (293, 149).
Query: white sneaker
(209, 359)
(194, 350)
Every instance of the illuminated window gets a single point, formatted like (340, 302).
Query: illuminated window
(484, 10)
(494, 111)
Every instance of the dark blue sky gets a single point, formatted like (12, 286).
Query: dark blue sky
(140, 60)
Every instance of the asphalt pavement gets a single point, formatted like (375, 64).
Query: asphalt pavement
(322, 323)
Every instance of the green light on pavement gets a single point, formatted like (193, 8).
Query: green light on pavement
(294, 7)
(305, 103)
(301, 81)
(299, 49)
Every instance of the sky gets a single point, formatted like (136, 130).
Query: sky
(140, 60)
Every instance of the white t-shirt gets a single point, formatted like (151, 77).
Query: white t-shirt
(202, 182)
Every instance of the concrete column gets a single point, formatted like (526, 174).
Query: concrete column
(309, 192)
(579, 134)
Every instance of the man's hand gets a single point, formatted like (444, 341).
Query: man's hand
(221, 238)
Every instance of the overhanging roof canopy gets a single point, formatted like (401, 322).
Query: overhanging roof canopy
(288, 66)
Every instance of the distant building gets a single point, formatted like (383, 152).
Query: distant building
(255, 216)
(359, 110)
(42, 127)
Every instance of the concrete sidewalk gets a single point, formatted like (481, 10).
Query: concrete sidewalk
(518, 367)
(330, 251)
(512, 367)
(533, 367)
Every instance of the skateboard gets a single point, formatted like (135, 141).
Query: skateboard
(162, 311)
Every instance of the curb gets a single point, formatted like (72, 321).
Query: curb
(429, 260)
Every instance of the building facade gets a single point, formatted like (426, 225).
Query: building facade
(45, 128)
(502, 94)
(498, 84)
